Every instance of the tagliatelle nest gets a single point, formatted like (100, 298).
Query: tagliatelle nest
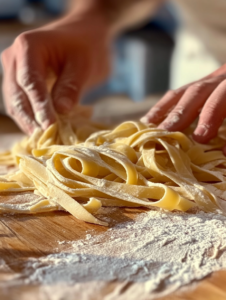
(80, 166)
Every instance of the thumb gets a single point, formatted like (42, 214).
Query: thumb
(68, 88)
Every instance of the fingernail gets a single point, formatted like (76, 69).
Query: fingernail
(166, 125)
(201, 130)
(41, 116)
(170, 122)
(163, 126)
(144, 120)
(64, 105)
(42, 119)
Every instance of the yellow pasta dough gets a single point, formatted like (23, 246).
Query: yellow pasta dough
(79, 166)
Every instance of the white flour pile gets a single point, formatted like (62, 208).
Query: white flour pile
(158, 253)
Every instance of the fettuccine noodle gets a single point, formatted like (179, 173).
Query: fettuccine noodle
(79, 166)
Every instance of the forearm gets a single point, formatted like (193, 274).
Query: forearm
(118, 14)
(128, 13)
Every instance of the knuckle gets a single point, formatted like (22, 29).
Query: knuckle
(28, 80)
(40, 104)
(67, 86)
(176, 114)
(197, 87)
(211, 107)
(178, 110)
(172, 93)
(198, 84)
(20, 109)
(155, 112)
(23, 39)
(17, 103)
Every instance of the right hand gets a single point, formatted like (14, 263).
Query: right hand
(75, 49)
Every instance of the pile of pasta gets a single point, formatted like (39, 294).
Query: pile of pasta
(80, 166)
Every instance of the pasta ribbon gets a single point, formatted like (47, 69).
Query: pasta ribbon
(79, 166)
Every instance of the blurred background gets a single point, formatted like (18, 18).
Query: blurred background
(146, 61)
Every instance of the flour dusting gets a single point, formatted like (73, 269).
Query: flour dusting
(150, 257)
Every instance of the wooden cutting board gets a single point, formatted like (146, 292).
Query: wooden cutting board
(23, 237)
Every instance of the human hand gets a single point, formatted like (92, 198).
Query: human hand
(75, 49)
(205, 98)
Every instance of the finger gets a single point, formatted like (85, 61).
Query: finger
(158, 112)
(69, 86)
(212, 115)
(219, 72)
(30, 75)
(20, 110)
(16, 102)
(189, 105)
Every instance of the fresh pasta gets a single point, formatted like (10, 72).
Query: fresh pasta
(80, 166)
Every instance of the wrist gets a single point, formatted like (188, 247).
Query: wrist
(90, 13)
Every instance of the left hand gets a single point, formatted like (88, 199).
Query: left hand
(205, 98)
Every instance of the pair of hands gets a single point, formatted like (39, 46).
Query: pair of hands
(77, 51)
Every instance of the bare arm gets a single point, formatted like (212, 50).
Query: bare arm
(120, 14)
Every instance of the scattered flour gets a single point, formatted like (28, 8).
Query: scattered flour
(142, 259)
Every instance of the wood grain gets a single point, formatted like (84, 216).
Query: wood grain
(26, 236)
